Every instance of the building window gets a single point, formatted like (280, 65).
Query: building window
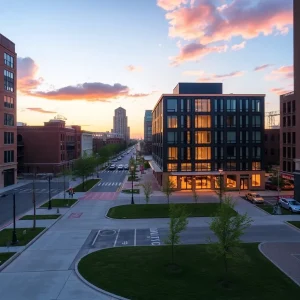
(289, 137)
(188, 105)
(231, 105)
(8, 81)
(172, 105)
(231, 152)
(289, 152)
(256, 165)
(284, 152)
(202, 105)
(294, 137)
(244, 166)
(8, 138)
(9, 156)
(172, 137)
(172, 167)
(8, 102)
(256, 152)
(231, 137)
(172, 121)
(294, 152)
(289, 166)
(9, 120)
(293, 120)
(293, 106)
(284, 137)
(186, 167)
(256, 137)
(284, 166)
(289, 121)
(8, 60)
(256, 180)
(289, 107)
(182, 105)
(172, 153)
(203, 137)
(231, 121)
(244, 121)
(256, 121)
(202, 122)
(284, 108)
(256, 105)
(231, 181)
(203, 153)
(173, 179)
(202, 167)
(231, 166)
(185, 153)
(185, 121)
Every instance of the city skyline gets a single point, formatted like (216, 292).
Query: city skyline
(74, 61)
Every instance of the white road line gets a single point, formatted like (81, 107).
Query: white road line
(109, 183)
(120, 183)
(95, 239)
(99, 183)
(116, 238)
(134, 237)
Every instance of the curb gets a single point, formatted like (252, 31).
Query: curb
(93, 286)
(264, 210)
(291, 225)
(3, 266)
(272, 261)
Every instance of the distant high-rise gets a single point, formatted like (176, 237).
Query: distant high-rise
(148, 126)
(120, 123)
(8, 108)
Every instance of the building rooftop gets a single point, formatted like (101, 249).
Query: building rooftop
(6, 43)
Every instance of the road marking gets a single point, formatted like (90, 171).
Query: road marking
(116, 238)
(120, 183)
(134, 243)
(154, 237)
(99, 183)
(94, 241)
(125, 243)
(109, 183)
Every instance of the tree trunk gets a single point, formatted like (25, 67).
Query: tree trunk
(64, 186)
(225, 265)
(168, 197)
(83, 184)
(172, 253)
(34, 205)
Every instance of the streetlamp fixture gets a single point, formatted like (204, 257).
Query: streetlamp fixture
(14, 239)
(49, 202)
(220, 184)
(132, 169)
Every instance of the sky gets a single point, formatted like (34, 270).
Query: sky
(82, 59)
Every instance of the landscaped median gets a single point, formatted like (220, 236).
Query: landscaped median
(295, 223)
(129, 191)
(24, 235)
(40, 217)
(5, 256)
(199, 276)
(269, 209)
(88, 184)
(60, 203)
(144, 211)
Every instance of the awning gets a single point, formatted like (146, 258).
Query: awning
(214, 173)
(154, 166)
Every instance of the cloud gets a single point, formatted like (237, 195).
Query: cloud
(216, 77)
(195, 51)
(132, 68)
(170, 4)
(280, 91)
(262, 67)
(284, 72)
(239, 46)
(40, 110)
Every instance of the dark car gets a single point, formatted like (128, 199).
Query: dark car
(270, 186)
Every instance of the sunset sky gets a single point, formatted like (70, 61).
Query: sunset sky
(84, 58)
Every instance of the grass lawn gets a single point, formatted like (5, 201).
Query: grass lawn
(135, 178)
(60, 202)
(200, 277)
(269, 208)
(6, 235)
(141, 211)
(295, 223)
(128, 191)
(88, 184)
(5, 256)
(41, 217)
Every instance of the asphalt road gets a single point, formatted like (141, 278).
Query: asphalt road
(156, 236)
(111, 180)
(24, 199)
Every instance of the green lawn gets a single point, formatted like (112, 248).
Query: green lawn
(60, 202)
(143, 273)
(6, 235)
(88, 184)
(269, 208)
(41, 217)
(5, 256)
(295, 223)
(128, 191)
(141, 211)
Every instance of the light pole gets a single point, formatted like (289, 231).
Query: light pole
(14, 239)
(220, 185)
(132, 169)
(49, 202)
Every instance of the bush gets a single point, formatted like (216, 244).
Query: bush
(146, 165)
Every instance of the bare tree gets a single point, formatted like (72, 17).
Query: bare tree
(168, 189)
(34, 200)
(195, 195)
(221, 189)
(147, 190)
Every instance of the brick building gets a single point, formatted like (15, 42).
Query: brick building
(101, 139)
(48, 148)
(8, 108)
(272, 147)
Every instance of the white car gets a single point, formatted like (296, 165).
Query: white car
(290, 204)
(255, 198)
(120, 167)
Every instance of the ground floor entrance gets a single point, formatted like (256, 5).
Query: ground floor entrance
(244, 184)
(9, 177)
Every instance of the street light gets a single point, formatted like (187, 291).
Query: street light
(14, 239)
(220, 184)
(132, 169)
(49, 202)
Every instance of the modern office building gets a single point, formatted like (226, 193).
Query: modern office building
(148, 132)
(86, 143)
(120, 123)
(49, 148)
(8, 112)
(272, 147)
(199, 136)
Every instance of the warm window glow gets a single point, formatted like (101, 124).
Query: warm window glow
(202, 167)
(186, 167)
(173, 179)
(231, 181)
(256, 165)
(202, 137)
(202, 105)
(172, 167)
(172, 153)
(203, 153)
(172, 122)
(202, 122)
(256, 180)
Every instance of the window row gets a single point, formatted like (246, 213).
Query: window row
(289, 121)
(9, 156)
(289, 152)
(289, 137)
(288, 166)
(9, 119)
(8, 138)
(8, 60)
(9, 81)
(289, 107)
(8, 102)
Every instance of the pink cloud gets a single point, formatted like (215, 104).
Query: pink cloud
(170, 4)
(195, 51)
(40, 110)
(132, 68)
(239, 46)
(284, 72)
(262, 67)
(280, 91)
(214, 77)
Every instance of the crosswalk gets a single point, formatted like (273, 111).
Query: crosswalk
(109, 183)
(114, 171)
(37, 191)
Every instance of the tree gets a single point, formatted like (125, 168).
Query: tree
(178, 223)
(83, 167)
(147, 190)
(168, 189)
(34, 201)
(277, 181)
(221, 188)
(228, 228)
(195, 195)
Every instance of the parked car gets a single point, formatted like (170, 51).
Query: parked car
(254, 198)
(126, 167)
(119, 158)
(114, 160)
(112, 167)
(290, 204)
(120, 167)
(287, 186)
